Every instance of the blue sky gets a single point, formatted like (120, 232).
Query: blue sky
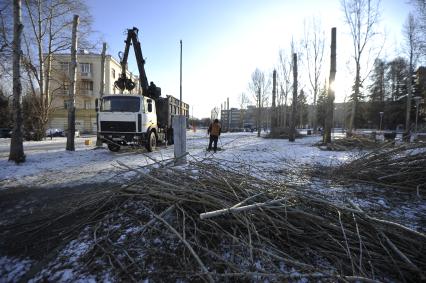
(224, 41)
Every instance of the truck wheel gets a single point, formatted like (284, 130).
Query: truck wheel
(113, 147)
(152, 142)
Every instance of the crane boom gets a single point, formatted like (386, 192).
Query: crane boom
(123, 82)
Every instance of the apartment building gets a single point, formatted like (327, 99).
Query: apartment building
(238, 118)
(87, 88)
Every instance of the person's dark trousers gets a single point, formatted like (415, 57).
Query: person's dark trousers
(213, 139)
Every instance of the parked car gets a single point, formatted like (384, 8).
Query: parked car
(54, 132)
(5, 132)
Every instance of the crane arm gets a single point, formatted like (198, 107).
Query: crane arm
(126, 83)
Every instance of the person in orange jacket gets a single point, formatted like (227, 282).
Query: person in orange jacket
(214, 131)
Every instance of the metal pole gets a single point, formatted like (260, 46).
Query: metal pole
(381, 117)
(229, 114)
(180, 97)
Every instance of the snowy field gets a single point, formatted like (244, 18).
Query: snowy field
(49, 166)
(55, 166)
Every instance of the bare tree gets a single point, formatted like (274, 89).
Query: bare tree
(243, 101)
(330, 97)
(420, 19)
(6, 38)
(313, 44)
(16, 144)
(259, 87)
(48, 32)
(412, 44)
(362, 17)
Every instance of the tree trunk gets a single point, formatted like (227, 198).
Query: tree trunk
(16, 144)
(408, 105)
(274, 95)
(48, 69)
(330, 98)
(314, 119)
(292, 136)
(355, 99)
(101, 89)
(73, 78)
(285, 112)
(40, 54)
(259, 112)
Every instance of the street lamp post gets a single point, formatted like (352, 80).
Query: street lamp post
(417, 99)
(381, 118)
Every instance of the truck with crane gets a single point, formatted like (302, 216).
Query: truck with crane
(144, 119)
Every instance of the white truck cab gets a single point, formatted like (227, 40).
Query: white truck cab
(125, 119)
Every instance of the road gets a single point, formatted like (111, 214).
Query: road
(51, 145)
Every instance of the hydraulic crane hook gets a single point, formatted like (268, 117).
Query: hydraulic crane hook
(123, 83)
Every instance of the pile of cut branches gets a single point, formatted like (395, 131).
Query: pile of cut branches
(349, 143)
(401, 167)
(207, 222)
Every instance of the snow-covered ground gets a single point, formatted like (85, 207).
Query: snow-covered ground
(49, 165)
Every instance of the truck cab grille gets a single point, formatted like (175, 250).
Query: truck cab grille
(115, 126)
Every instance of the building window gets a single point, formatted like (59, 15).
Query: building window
(65, 88)
(87, 104)
(86, 85)
(113, 73)
(65, 104)
(85, 68)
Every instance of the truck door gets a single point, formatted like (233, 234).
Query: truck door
(149, 116)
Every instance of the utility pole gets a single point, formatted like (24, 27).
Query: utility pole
(330, 96)
(292, 136)
(101, 87)
(180, 87)
(73, 78)
(229, 114)
(179, 126)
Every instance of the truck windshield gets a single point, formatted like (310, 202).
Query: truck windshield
(120, 104)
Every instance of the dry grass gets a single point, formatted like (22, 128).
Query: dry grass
(251, 230)
(353, 142)
(400, 167)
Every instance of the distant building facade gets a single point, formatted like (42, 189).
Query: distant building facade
(235, 118)
(87, 88)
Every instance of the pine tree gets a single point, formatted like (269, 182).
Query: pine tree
(377, 87)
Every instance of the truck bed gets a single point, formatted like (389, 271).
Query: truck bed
(167, 107)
